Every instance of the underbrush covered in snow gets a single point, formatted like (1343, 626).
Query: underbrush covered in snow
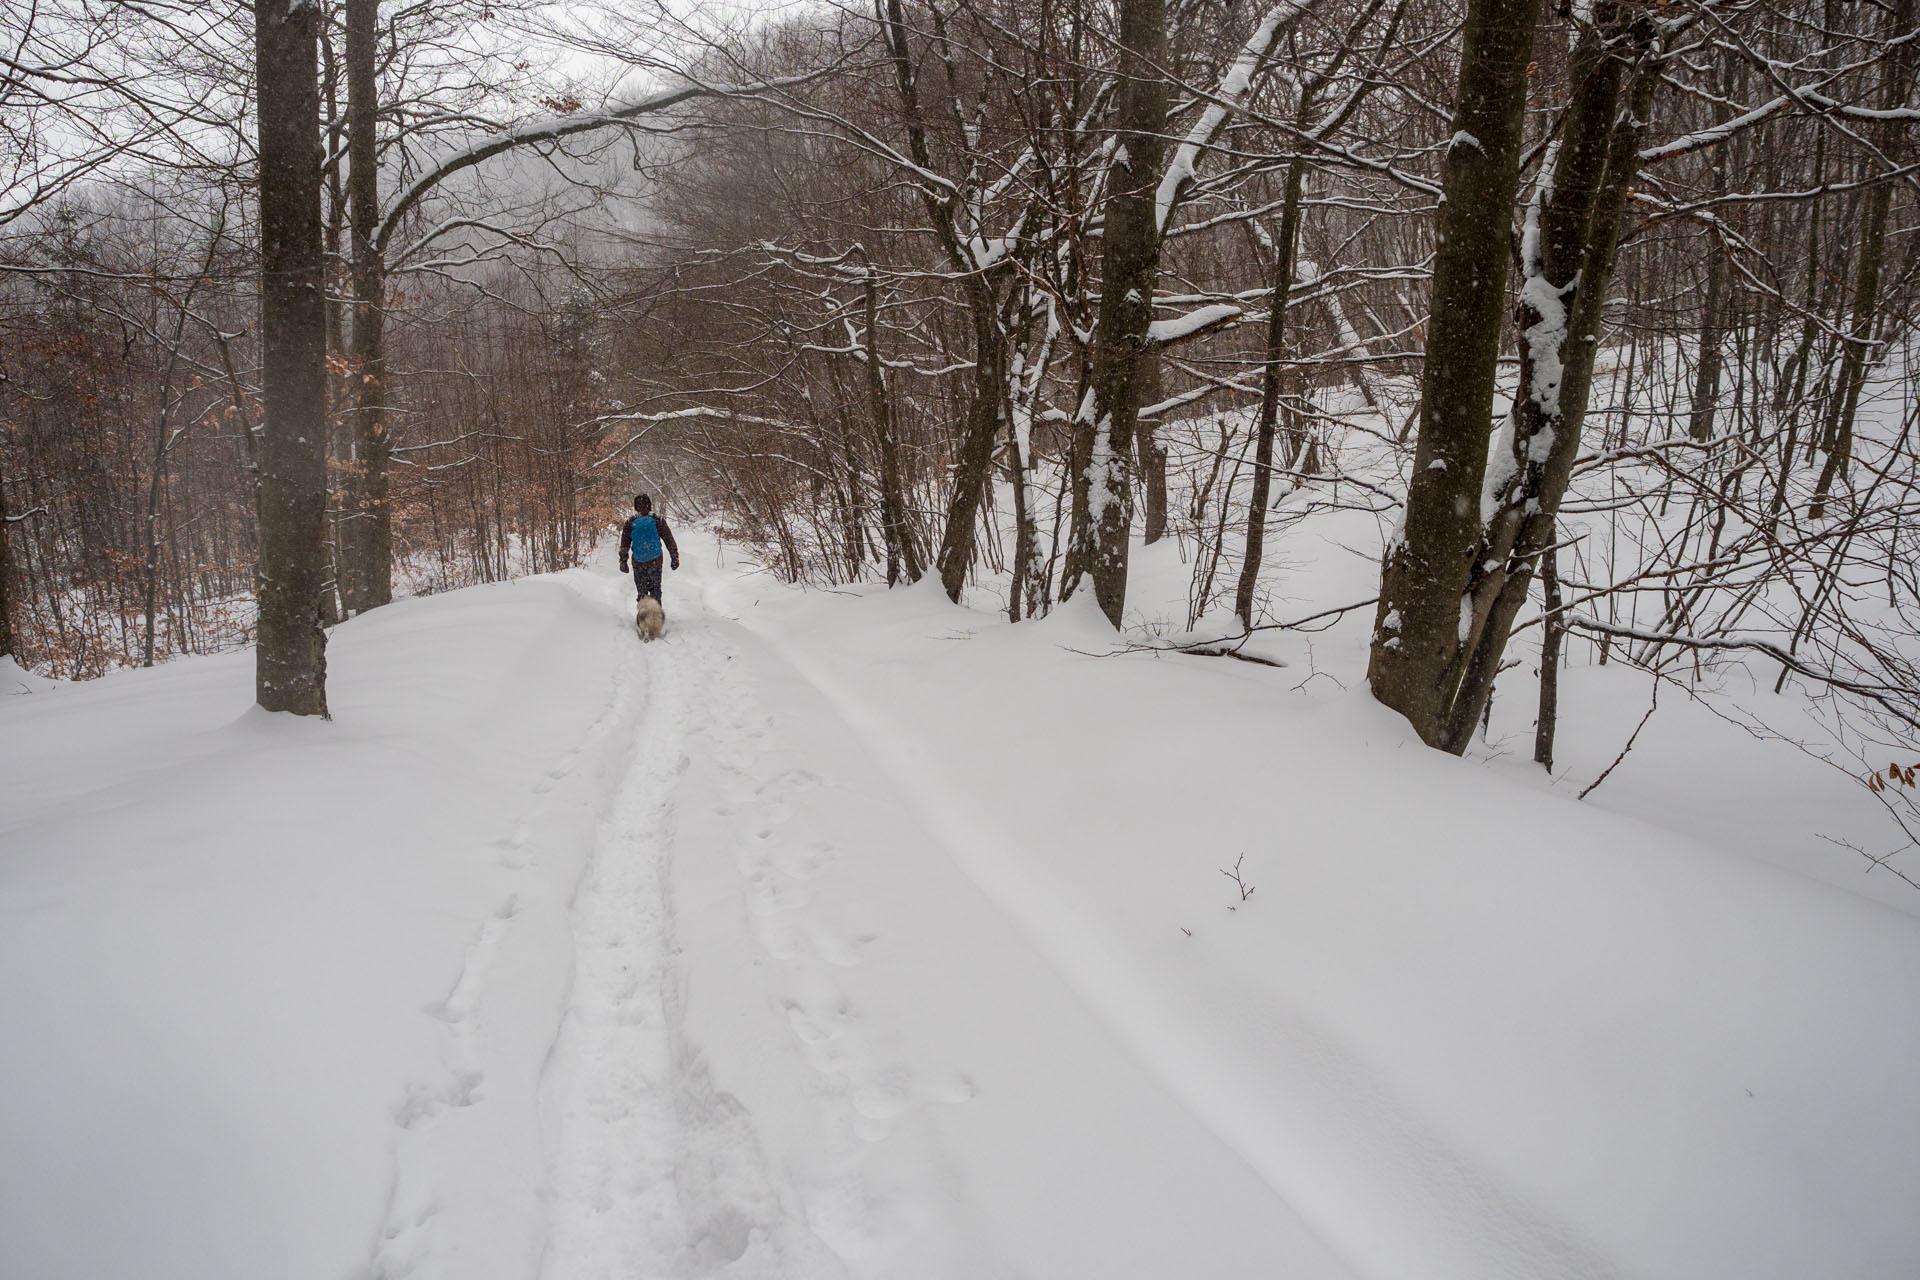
(1707, 626)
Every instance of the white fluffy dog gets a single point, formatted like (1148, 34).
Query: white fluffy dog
(649, 619)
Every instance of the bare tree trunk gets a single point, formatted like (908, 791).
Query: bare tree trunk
(1577, 235)
(151, 590)
(1130, 248)
(1549, 721)
(1033, 357)
(367, 562)
(987, 391)
(6, 563)
(903, 558)
(156, 488)
(1153, 454)
(1872, 250)
(290, 491)
(1789, 398)
(1285, 247)
(971, 469)
(339, 423)
(1413, 667)
(1706, 382)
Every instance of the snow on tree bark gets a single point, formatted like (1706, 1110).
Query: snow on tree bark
(1595, 167)
(1438, 665)
(1130, 246)
(1417, 645)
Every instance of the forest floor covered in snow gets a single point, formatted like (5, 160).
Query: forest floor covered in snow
(857, 934)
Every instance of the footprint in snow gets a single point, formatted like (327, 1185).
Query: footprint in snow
(789, 780)
(884, 1096)
(803, 863)
(949, 1087)
(765, 897)
(421, 1102)
(842, 951)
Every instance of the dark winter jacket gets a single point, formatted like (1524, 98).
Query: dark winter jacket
(629, 544)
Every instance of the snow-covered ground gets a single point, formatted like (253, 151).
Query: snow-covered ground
(854, 934)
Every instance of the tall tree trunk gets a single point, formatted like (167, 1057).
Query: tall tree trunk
(1028, 597)
(367, 562)
(156, 488)
(6, 562)
(1706, 379)
(1286, 247)
(1577, 236)
(1130, 250)
(1789, 399)
(1152, 453)
(150, 593)
(1872, 250)
(903, 558)
(1025, 539)
(290, 490)
(987, 389)
(1413, 667)
(971, 470)
(1549, 721)
(340, 423)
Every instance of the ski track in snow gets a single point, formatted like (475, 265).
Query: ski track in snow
(432, 1139)
(655, 1169)
(728, 1089)
(875, 1186)
(650, 1167)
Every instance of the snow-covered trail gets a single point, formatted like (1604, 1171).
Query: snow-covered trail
(841, 939)
(553, 954)
(799, 1043)
(654, 1171)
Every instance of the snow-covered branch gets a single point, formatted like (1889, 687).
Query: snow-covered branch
(1227, 98)
(558, 127)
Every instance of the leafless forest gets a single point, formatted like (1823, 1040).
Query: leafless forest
(1602, 309)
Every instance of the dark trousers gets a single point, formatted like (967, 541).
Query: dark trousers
(646, 577)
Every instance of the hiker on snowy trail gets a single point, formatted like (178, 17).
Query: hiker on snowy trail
(640, 540)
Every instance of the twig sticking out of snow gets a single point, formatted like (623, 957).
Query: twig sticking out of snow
(1631, 739)
(1246, 890)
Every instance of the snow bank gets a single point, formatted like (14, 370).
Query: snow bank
(16, 679)
(233, 945)
(1464, 1026)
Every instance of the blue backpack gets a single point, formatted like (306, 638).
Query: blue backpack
(644, 539)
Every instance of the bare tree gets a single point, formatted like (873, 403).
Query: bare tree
(1896, 77)
(291, 492)
(1418, 634)
(1130, 252)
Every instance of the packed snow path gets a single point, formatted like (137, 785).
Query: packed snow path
(781, 990)
(655, 1170)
